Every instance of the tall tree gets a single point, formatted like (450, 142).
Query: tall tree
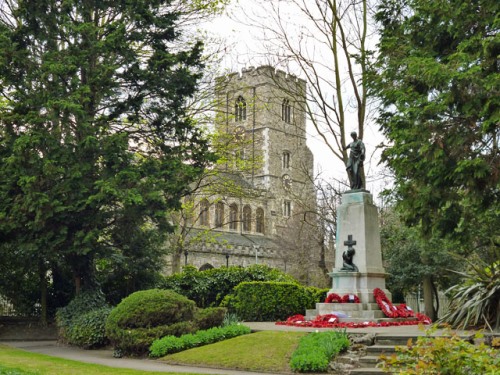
(95, 144)
(326, 44)
(438, 80)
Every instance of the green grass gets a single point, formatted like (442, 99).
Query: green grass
(266, 351)
(20, 362)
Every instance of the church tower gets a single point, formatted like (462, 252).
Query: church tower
(266, 108)
(263, 110)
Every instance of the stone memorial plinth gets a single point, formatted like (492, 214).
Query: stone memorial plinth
(357, 227)
(358, 260)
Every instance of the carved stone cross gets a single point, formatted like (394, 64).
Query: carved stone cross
(349, 243)
(347, 256)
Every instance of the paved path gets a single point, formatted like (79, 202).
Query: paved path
(105, 356)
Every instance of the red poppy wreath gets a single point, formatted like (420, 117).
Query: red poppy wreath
(333, 298)
(385, 305)
(350, 298)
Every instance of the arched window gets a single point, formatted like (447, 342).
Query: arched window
(219, 214)
(287, 208)
(286, 111)
(286, 160)
(204, 213)
(233, 216)
(247, 219)
(259, 220)
(240, 109)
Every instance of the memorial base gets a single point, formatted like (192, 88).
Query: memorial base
(360, 284)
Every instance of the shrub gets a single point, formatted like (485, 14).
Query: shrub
(442, 355)
(476, 301)
(268, 301)
(209, 317)
(172, 344)
(89, 330)
(147, 315)
(208, 288)
(316, 350)
(66, 318)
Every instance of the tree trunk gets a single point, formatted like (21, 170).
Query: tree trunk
(176, 261)
(43, 293)
(429, 298)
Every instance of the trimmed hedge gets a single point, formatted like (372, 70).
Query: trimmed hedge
(317, 349)
(172, 344)
(147, 315)
(271, 301)
(208, 288)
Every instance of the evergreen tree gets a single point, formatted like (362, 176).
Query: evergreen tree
(95, 144)
(438, 81)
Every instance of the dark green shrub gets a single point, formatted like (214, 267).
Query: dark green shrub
(89, 330)
(208, 288)
(209, 317)
(172, 344)
(268, 301)
(83, 303)
(147, 315)
(317, 349)
(317, 295)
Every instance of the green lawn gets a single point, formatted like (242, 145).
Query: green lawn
(262, 351)
(20, 362)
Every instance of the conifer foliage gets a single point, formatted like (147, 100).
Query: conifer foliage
(95, 144)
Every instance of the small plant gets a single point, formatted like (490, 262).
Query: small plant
(172, 344)
(317, 349)
(443, 356)
(230, 318)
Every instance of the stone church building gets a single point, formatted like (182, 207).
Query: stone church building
(266, 217)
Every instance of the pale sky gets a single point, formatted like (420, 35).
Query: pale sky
(245, 48)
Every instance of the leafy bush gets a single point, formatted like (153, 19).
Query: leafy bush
(477, 299)
(208, 288)
(209, 317)
(269, 301)
(316, 350)
(172, 344)
(147, 315)
(72, 319)
(89, 330)
(442, 355)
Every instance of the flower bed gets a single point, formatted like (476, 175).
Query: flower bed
(332, 320)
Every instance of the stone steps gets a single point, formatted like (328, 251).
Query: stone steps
(383, 344)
